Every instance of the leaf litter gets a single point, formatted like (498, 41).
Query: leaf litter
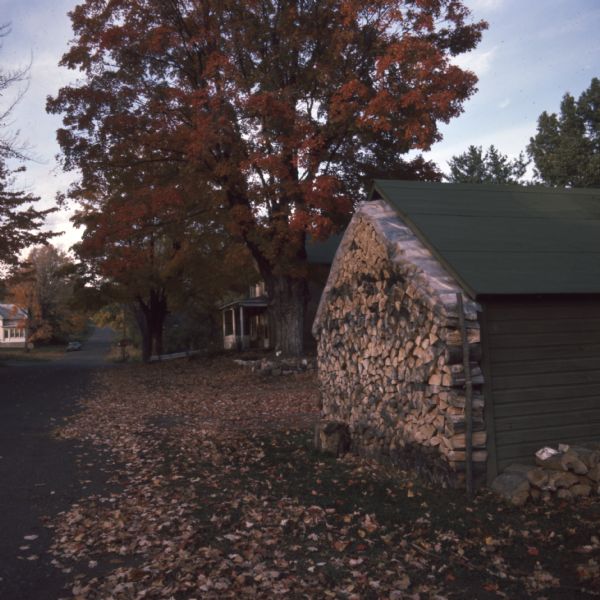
(216, 492)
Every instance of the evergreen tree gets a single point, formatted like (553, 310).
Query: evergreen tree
(475, 166)
(566, 148)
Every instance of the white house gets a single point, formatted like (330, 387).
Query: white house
(245, 322)
(13, 326)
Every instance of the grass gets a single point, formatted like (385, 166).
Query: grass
(483, 549)
(39, 354)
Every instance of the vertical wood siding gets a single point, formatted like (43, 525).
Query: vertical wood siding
(544, 362)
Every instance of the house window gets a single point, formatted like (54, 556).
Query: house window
(6, 333)
(228, 322)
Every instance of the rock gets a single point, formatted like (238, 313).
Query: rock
(535, 493)
(594, 473)
(332, 437)
(535, 475)
(589, 457)
(573, 463)
(563, 461)
(553, 462)
(564, 494)
(558, 479)
(513, 487)
(580, 489)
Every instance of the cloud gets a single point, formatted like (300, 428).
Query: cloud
(485, 5)
(510, 141)
(504, 103)
(480, 62)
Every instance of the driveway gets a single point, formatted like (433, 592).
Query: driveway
(39, 475)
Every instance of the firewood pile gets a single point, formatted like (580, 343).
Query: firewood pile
(567, 473)
(390, 351)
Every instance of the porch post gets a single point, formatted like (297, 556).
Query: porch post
(242, 327)
(234, 327)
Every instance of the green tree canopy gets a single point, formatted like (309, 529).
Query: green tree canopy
(475, 166)
(566, 148)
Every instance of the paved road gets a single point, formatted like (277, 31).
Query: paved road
(39, 475)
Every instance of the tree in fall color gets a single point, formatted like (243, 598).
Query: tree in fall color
(20, 222)
(143, 248)
(44, 288)
(280, 111)
(475, 166)
(566, 147)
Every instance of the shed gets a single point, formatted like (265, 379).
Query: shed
(526, 261)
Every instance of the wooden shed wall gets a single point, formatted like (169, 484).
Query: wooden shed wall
(542, 363)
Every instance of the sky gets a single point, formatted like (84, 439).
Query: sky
(532, 54)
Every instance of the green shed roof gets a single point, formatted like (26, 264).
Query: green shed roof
(498, 239)
(322, 251)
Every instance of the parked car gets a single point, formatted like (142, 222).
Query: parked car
(72, 346)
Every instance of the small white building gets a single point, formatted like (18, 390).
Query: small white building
(13, 326)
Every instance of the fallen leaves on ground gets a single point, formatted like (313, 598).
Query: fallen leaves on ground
(216, 492)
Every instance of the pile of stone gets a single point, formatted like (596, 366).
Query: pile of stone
(567, 472)
(279, 366)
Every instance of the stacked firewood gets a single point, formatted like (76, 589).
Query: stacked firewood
(390, 352)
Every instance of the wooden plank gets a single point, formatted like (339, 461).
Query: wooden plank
(545, 407)
(553, 325)
(544, 434)
(499, 355)
(543, 308)
(557, 365)
(565, 392)
(549, 420)
(535, 340)
(543, 380)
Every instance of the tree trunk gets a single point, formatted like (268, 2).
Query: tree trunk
(151, 320)
(287, 308)
(141, 319)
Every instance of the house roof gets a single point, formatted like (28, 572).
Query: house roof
(12, 311)
(498, 239)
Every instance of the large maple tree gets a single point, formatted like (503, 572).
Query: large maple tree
(280, 110)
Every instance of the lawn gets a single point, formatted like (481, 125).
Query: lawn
(39, 354)
(216, 492)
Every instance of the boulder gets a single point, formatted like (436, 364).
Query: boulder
(513, 487)
(535, 475)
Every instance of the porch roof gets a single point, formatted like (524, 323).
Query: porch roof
(257, 302)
